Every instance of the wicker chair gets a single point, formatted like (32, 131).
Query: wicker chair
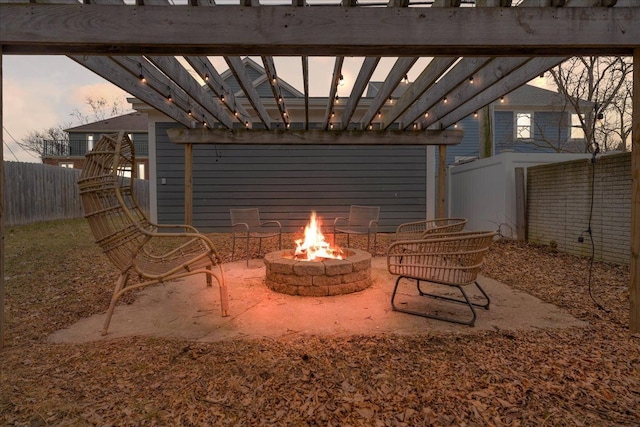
(361, 220)
(420, 229)
(134, 244)
(451, 259)
(246, 224)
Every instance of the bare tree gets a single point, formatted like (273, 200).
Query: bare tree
(100, 108)
(603, 82)
(52, 140)
(55, 141)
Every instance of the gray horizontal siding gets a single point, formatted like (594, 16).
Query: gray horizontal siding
(287, 182)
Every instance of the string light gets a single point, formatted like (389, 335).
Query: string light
(390, 100)
(275, 79)
(222, 97)
(206, 77)
(445, 100)
(331, 126)
(246, 124)
(502, 99)
(379, 114)
(235, 113)
(190, 113)
(475, 114)
(280, 99)
(471, 80)
(143, 80)
(337, 98)
(455, 126)
(406, 79)
(426, 114)
(370, 127)
(333, 113)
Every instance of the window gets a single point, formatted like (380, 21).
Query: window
(66, 165)
(576, 131)
(89, 142)
(141, 171)
(524, 122)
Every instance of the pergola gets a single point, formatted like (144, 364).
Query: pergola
(481, 51)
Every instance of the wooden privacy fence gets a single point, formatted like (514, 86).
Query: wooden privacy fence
(34, 192)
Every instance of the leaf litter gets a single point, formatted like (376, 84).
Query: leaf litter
(55, 275)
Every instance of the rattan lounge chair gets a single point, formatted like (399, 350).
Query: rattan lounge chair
(419, 229)
(136, 246)
(361, 220)
(450, 259)
(246, 225)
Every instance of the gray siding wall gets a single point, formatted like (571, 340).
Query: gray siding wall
(550, 129)
(470, 145)
(559, 202)
(287, 182)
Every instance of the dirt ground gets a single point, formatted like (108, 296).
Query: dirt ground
(581, 368)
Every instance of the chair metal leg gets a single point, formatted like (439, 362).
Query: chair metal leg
(466, 301)
(247, 249)
(233, 247)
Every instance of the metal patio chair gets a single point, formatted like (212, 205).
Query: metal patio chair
(361, 220)
(135, 245)
(246, 225)
(419, 229)
(450, 259)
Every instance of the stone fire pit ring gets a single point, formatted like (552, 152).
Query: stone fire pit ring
(318, 278)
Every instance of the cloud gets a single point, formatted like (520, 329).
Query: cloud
(27, 108)
(34, 105)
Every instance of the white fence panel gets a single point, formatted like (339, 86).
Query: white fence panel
(483, 191)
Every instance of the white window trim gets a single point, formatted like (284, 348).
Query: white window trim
(516, 136)
(576, 128)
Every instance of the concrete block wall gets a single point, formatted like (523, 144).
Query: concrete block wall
(559, 204)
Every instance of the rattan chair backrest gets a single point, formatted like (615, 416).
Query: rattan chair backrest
(106, 190)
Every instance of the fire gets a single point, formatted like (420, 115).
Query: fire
(314, 246)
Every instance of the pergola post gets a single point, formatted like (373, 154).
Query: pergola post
(2, 325)
(634, 287)
(442, 181)
(188, 183)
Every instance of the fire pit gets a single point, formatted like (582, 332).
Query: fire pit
(315, 268)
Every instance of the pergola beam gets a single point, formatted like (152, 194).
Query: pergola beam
(333, 93)
(114, 73)
(439, 92)
(170, 66)
(512, 81)
(214, 81)
(313, 137)
(277, 30)
(397, 73)
(434, 70)
(241, 75)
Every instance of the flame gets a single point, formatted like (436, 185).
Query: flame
(314, 246)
